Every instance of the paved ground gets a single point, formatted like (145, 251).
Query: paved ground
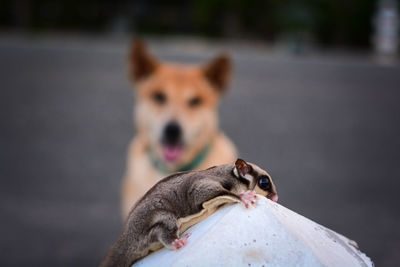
(326, 127)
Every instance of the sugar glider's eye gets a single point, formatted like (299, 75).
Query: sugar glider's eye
(264, 183)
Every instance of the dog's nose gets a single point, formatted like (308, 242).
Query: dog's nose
(172, 133)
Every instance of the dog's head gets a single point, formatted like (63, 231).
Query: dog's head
(176, 105)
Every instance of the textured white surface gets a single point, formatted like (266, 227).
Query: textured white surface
(268, 235)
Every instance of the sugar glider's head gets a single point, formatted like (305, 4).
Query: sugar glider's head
(256, 178)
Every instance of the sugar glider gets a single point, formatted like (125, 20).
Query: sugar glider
(180, 200)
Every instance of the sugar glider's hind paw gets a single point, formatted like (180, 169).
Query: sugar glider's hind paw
(248, 198)
(179, 243)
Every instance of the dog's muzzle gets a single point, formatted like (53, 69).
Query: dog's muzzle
(172, 134)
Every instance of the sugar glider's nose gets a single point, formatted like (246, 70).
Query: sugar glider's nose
(273, 197)
(172, 133)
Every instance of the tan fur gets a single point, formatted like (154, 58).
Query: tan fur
(209, 208)
(179, 83)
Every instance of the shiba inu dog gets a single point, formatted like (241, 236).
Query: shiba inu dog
(176, 120)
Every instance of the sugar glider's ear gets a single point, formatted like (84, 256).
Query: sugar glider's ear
(243, 169)
(218, 71)
(142, 63)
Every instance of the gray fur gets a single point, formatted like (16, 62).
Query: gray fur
(154, 218)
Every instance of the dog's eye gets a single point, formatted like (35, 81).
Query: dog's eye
(195, 101)
(159, 97)
(264, 183)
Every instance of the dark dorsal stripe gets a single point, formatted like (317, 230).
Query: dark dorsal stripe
(244, 180)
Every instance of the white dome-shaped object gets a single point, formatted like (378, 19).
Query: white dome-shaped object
(267, 235)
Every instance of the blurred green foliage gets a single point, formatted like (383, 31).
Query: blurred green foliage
(329, 22)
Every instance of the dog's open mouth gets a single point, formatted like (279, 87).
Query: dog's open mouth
(172, 153)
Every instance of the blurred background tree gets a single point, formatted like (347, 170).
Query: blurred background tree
(327, 22)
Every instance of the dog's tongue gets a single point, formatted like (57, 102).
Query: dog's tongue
(172, 153)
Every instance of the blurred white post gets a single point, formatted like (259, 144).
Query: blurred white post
(386, 24)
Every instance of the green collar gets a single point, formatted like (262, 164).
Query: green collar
(159, 165)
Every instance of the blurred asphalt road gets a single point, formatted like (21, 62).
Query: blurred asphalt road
(326, 127)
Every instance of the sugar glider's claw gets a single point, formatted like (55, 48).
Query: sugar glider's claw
(248, 198)
(179, 243)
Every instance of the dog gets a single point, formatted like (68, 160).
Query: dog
(176, 120)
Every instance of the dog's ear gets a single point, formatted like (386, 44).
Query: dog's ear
(142, 63)
(218, 72)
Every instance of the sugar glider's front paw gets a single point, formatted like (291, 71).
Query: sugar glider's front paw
(179, 243)
(248, 198)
